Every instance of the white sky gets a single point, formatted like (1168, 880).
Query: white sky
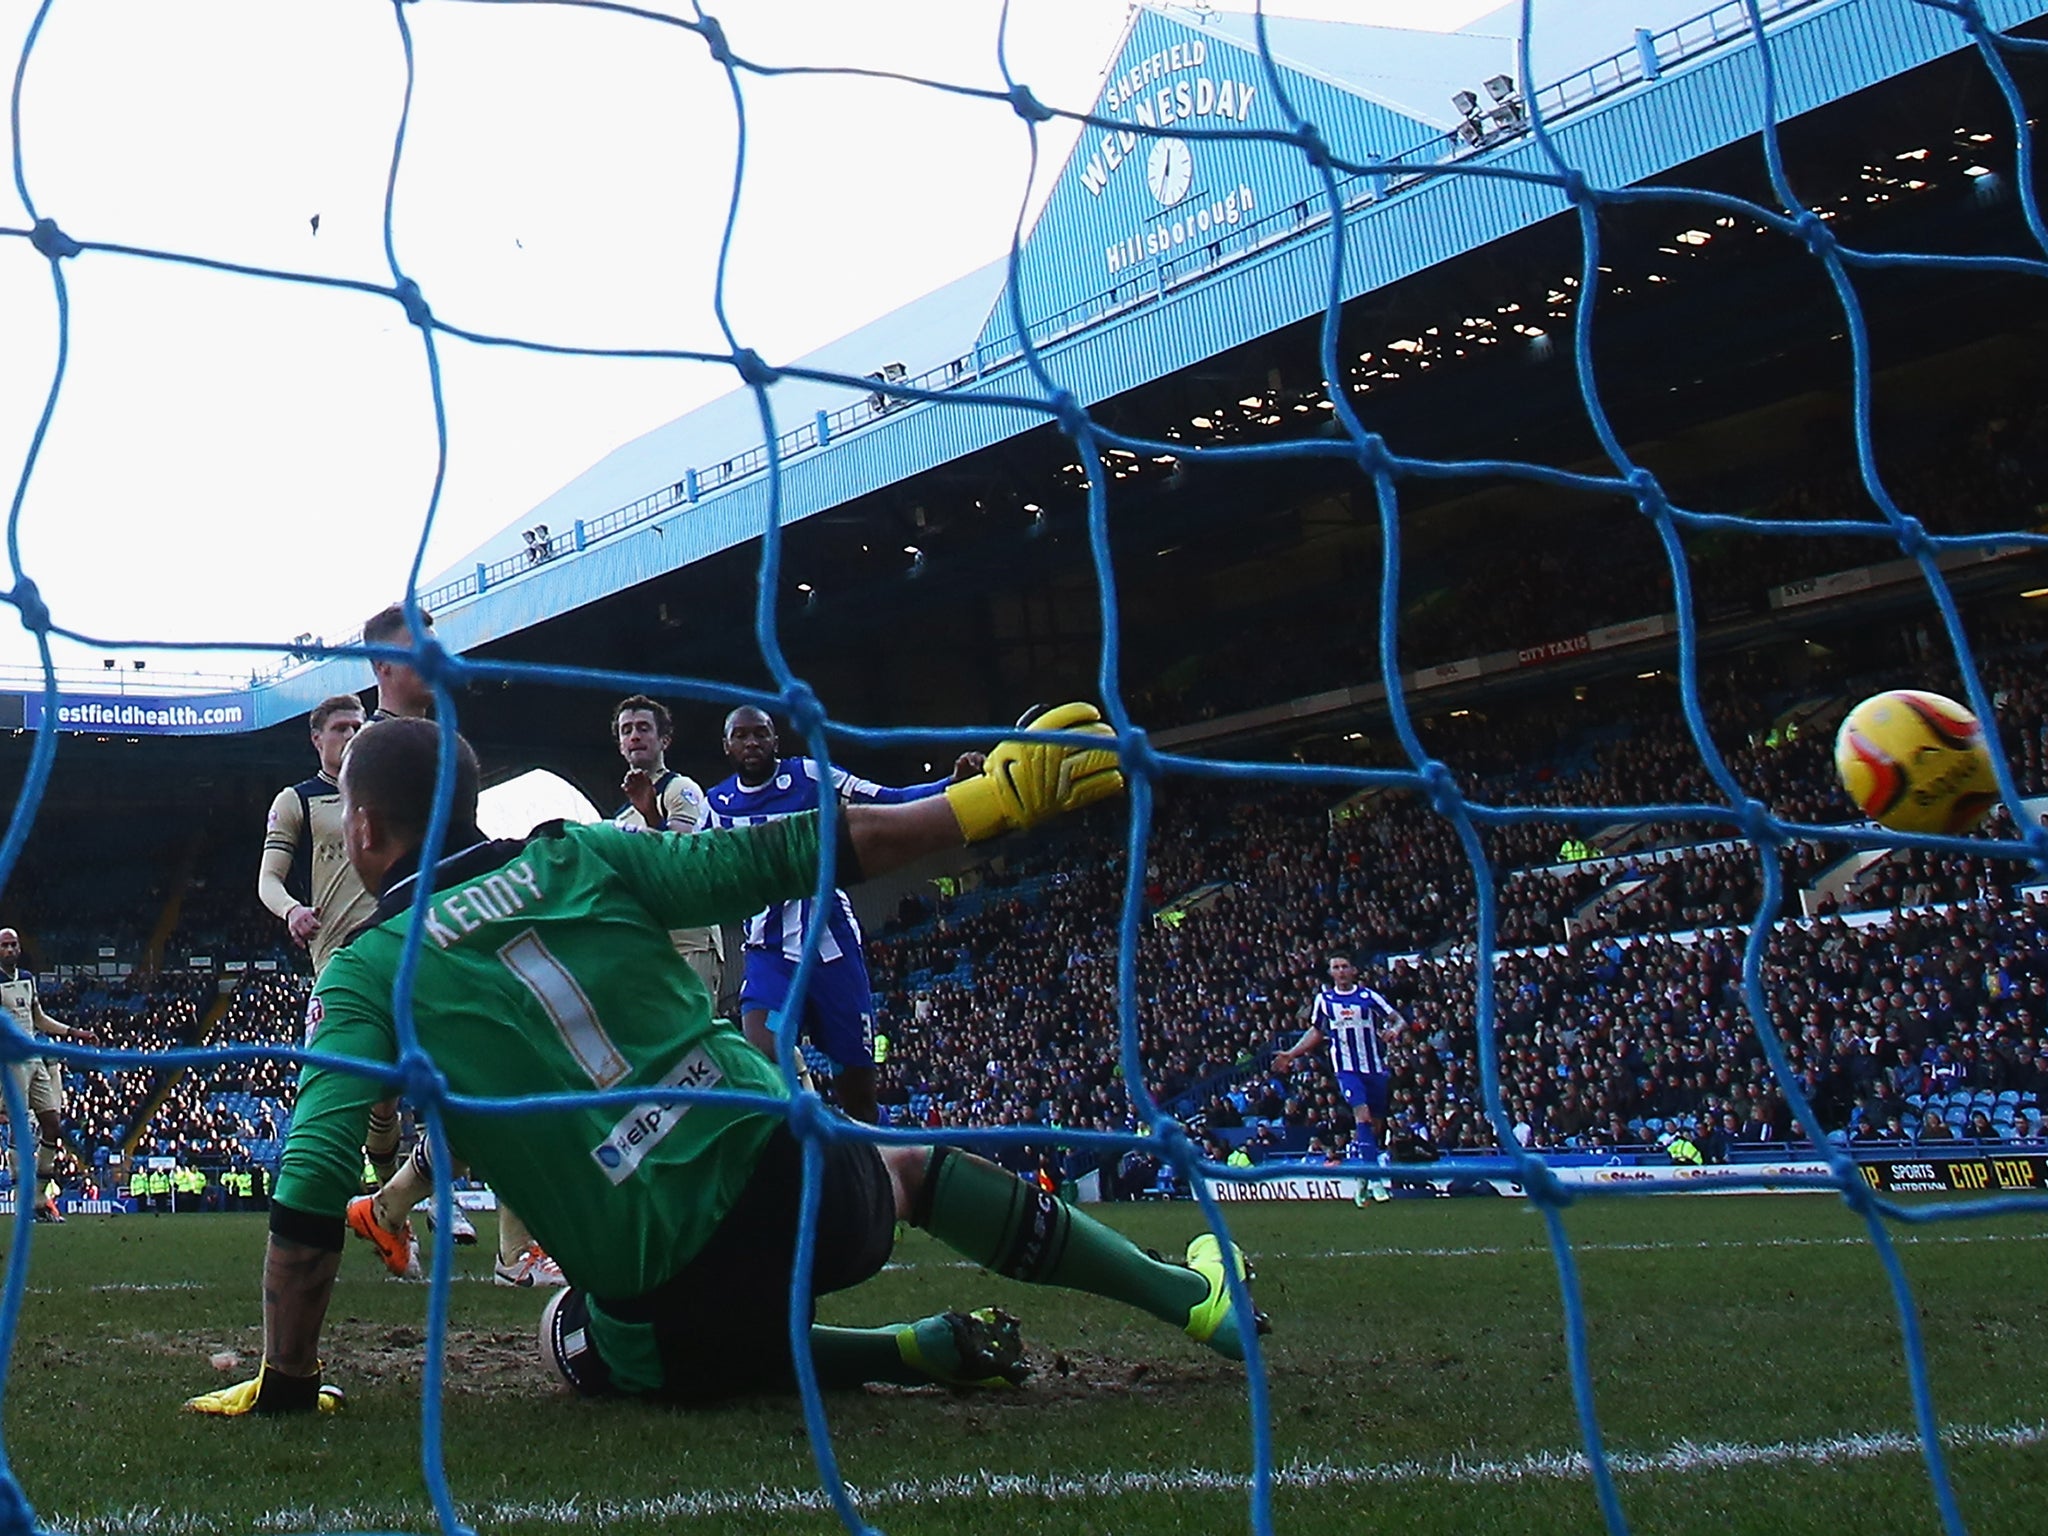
(240, 459)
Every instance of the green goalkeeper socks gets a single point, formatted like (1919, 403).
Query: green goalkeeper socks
(1006, 1225)
(954, 1349)
(851, 1357)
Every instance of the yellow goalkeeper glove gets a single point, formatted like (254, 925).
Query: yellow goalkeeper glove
(270, 1392)
(1024, 782)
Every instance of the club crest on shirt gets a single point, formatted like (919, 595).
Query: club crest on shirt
(314, 1014)
(782, 781)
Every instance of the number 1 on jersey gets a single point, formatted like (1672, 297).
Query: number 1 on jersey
(529, 958)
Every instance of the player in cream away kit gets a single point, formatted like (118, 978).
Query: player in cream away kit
(545, 966)
(304, 878)
(40, 1078)
(659, 799)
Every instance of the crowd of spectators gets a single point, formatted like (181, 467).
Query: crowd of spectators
(216, 1115)
(212, 1117)
(1006, 1015)
(1600, 1038)
(153, 1013)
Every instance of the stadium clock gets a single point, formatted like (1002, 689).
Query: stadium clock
(1168, 170)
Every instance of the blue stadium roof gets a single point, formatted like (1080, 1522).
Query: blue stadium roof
(1138, 267)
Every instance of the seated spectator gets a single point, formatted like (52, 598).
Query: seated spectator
(1934, 1128)
(1979, 1127)
(1716, 1139)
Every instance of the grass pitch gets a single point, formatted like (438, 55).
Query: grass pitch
(1745, 1349)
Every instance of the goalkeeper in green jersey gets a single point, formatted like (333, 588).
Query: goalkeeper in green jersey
(546, 967)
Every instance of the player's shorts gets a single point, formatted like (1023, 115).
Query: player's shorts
(839, 1010)
(42, 1082)
(1365, 1090)
(720, 1328)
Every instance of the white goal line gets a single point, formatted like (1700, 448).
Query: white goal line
(1685, 1457)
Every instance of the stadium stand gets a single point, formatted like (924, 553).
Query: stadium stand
(996, 1000)
(996, 1004)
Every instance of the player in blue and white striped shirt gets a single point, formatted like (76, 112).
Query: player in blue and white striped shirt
(1353, 1021)
(839, 1009)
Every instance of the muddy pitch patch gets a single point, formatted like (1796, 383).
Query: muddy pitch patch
(481, 1362)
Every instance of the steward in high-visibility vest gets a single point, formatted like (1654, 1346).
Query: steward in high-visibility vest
(1681, 1151)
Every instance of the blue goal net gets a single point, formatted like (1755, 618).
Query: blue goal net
(1747, 33)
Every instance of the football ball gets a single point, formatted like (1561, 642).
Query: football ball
(1916, 762)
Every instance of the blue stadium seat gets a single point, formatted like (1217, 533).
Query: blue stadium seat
(2010, 1098)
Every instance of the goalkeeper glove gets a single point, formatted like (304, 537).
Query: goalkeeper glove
(1024, 782)
(270, 1392)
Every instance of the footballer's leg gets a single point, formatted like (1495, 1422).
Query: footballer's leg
(46, 1101)
(23, 1072)
(719, 1328)
(839, 1017)
(410, 1182)
(763, 989)
(1378, 1090)
(412, 1187)
(950, 1349)
(988, 1214)
(521, 1260)
(385, 1224)
(380, 1141)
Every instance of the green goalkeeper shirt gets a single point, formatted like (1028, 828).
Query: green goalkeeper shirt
(547, 967)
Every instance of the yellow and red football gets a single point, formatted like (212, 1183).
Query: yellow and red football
(1916, 762)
